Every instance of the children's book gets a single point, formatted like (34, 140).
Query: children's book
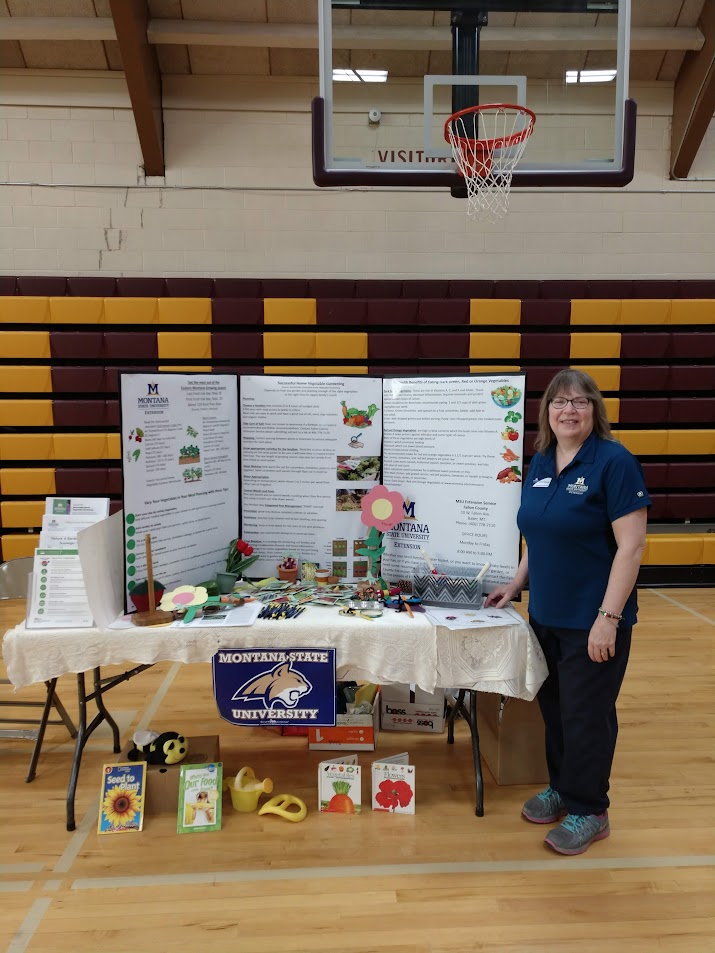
(339, 785)
(200, 788)
(393, 784)
(121, 799)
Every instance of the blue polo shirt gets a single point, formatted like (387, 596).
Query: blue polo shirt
(566, 522)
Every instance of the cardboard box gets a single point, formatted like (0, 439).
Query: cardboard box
(162, 780)
(511, 739)
(408, 708)
(351, 732)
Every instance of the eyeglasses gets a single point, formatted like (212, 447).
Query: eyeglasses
(578, 403)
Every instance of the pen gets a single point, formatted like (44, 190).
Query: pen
(483, 571)
(430, 564)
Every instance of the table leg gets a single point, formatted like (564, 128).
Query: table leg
(79, 745)
(476, 754)
(99, 689)
(470, 716)
(51, 700)
(101, 686)
(453, 712)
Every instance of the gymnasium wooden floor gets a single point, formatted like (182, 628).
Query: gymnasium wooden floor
(443, 881)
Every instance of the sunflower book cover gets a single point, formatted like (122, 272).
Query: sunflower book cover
(393, 785)
(200, 788)
(121, 799)
(339, 785)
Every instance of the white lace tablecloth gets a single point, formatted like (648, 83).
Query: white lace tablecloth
(391, 649)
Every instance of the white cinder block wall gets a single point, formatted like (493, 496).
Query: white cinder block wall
(238, 197)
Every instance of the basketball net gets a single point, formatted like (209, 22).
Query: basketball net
(487, 160)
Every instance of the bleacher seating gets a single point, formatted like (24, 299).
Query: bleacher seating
(649, 344)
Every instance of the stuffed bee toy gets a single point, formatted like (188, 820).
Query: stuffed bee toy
(169, 747)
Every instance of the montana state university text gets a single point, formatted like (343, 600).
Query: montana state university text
(273, 714)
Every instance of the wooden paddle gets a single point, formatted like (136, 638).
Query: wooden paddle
(153, 616)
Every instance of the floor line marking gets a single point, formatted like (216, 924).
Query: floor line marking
(29, 925)
(16, 886)
(682, 605)
(21, 868)
(393, 870)
(76, 841)
(159, 695)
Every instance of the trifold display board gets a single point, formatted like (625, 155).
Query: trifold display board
(311, 448)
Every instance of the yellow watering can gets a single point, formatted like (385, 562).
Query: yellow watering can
(246, 789)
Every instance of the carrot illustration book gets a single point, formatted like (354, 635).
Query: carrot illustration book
(339, 786)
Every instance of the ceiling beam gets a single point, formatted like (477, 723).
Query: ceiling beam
(693, 99)
(305, 35)
(365, 37)
(141, 71)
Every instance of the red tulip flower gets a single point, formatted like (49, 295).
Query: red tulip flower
(239, 556)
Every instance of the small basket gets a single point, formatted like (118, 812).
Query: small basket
(451, 592)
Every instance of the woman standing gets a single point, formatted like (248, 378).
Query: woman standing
(583, 518)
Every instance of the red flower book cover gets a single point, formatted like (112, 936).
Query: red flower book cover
(393, 785)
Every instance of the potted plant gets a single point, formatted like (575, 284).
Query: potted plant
(288, 569)
(238, 558)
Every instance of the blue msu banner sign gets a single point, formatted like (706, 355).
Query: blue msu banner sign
(275, 686)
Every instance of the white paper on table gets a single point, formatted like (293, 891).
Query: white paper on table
(123, 621)
(471, 618)
(95, 507)
(60, 532)
(58, 599)
(240, 615)
(101, 552)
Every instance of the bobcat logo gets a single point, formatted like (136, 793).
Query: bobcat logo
(282, 684)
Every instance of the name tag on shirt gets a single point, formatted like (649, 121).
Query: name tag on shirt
(545, 482)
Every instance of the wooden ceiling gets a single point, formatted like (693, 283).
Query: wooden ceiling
(672, 41)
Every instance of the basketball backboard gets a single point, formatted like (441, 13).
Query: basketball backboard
(393, 71)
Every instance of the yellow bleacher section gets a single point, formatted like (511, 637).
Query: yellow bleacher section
(592, 333)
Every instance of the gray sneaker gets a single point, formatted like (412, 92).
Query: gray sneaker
(545, 807)
(577, 831)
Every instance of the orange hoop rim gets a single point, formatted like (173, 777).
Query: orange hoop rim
(502, 142)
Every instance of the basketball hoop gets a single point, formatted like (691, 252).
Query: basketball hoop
(487, 143)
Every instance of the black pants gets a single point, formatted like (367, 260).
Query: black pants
(578, 703)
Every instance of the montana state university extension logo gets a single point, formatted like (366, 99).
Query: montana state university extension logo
(282, 684)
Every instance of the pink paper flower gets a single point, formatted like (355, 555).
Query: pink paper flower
(382, 508)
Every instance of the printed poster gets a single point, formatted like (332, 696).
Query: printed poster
(275, 686)
(180, 467)
(454, 447)
(310, 452)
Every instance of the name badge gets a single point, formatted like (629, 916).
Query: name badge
(545, 482)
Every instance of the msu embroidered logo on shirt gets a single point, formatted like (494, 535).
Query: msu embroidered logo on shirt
(579, 487)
